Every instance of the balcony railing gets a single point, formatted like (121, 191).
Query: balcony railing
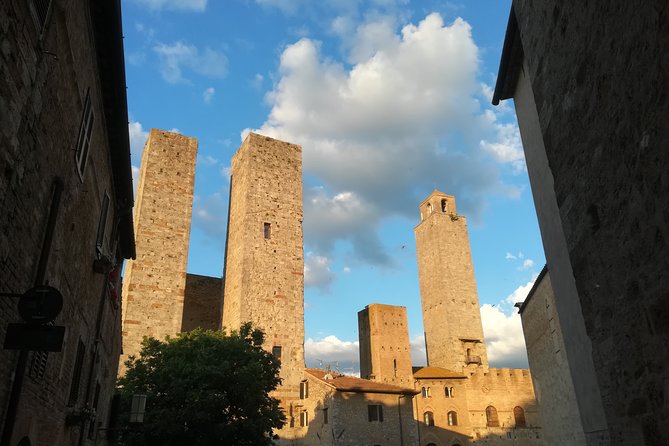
(469, 359)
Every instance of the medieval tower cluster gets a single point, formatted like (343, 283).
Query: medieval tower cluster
(456, 400)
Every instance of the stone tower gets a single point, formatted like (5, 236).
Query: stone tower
(264, 260)
(451, 313)
(384, 344)
(154, 283)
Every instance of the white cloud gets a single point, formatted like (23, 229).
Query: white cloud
(503, 329)
(528, 263)
(175, 130)
(340, 354)
(317, 271)
(504, 338)
(257, 81)
(135, 179)
(208, 95)
(507, 148)
(418, 351)
(346, 269)
(520, 293)
(380, 133)
(175, 5)
(226, 172)
(522, 262)
(179, 56)
(138, 137)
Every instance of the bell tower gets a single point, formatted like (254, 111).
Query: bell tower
(451, 313)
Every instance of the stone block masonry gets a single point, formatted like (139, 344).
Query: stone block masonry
(451, 313)
(154, 283)
(202, 303)
(264, 264)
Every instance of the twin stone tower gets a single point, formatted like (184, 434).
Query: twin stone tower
(264, 268)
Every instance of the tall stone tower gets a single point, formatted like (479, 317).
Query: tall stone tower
(451, 313)
(385, 355)
(153, 284)
(264, 259)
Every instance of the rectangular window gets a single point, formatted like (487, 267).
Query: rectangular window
(304, 390)
(375, 412)
(325, 415)
(76, 374)
(84, 139)
(276, 351)
(304, 418)
(102, 224)
(267, 230)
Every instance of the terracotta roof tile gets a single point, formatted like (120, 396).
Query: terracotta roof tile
(345, 383)
(435, 373)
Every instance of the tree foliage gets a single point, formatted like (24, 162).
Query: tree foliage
(203, 388)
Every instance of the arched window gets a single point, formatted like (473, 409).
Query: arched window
(519, 416)
(448, 391)
(425, 392)
(443, 205)
(429, 208)
(491, 417)
(452, 418)
(428, 418)
(25, 441)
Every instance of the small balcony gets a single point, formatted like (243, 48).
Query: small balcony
(471, 359)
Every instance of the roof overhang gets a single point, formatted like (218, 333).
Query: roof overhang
(108, 33)
(511, 62)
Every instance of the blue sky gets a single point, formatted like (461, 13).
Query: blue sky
(389, 100)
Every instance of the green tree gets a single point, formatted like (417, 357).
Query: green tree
(203, 388)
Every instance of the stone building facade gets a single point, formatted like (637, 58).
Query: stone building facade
(154, 283)
(66, 197)
(559, 413)
(342, 410)
(589, 83)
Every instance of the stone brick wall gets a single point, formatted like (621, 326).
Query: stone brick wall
(436, 400)
(348, 418)
(558, 410)
(44, 80)
(385, 355)
(154, 283)
(264, 265)
(504, 389)
(599, 76)
(451, 314)
(202, 303)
